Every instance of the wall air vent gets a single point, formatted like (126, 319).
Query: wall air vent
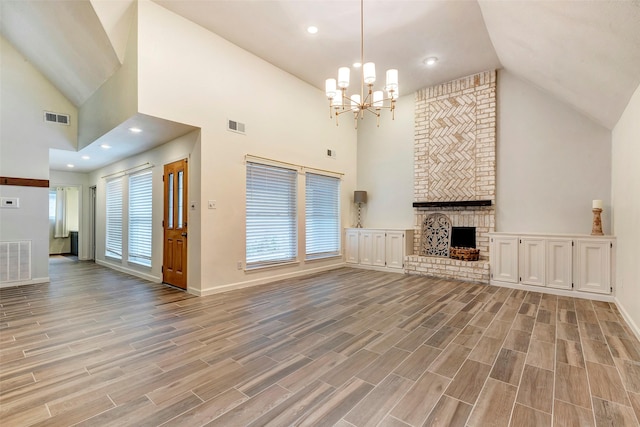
(234, 126)
(15, 261)
(62, 119)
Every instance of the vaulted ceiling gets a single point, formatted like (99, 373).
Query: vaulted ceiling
(586, 53)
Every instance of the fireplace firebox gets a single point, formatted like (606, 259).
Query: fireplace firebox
(463, 237)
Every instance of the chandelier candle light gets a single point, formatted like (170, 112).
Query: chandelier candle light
(372, 101)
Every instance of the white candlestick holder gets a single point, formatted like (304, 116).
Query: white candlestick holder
(596, 230)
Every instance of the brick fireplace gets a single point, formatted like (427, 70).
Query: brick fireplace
(454, 169)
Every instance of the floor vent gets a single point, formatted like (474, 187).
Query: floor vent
(15, 261)
(234, 126)
(62, 119)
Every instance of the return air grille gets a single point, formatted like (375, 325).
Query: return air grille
(62, 119)
(234, 126)
(15, 261)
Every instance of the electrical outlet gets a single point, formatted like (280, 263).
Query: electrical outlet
(212, 204)
(239, 265)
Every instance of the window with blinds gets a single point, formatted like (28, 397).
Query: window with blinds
(140, 219)
(322, 211)
(113, 247)
(271, 229)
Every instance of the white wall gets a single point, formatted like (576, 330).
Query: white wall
(552, 161)
(286, 119)
(385, 167)
(29, 222)
(116, 100)
(25, 139)
(178, 149)
(626, 209)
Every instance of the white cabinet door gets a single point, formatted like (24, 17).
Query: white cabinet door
(559, 263)
(532, 257)
(379, 248)
(365, 247)
(593, 265)
(395, 244)
(351, 243)
(504, 258)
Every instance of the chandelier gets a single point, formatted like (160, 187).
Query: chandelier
(368, 99)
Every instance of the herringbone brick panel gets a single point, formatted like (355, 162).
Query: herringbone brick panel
(451, 148)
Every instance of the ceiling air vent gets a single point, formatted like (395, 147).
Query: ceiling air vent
(234, 126)
(50, 117)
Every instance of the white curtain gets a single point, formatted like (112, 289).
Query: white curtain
(61, 229)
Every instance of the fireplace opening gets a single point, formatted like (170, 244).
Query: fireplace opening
(463, 237)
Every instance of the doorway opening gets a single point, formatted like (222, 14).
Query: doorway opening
(64, 220)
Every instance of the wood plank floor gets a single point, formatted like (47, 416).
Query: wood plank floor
(348, 347)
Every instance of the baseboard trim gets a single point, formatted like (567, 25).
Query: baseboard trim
(130, 271)
(25, 282)
(552, 291)
(262, 281)
(376, 268)
(628, 319)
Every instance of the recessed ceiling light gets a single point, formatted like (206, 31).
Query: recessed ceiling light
(430, 61)
(85, 157)
(69, 165)
(105, 146)
(312, 29)
(135, 130)
(357, 65)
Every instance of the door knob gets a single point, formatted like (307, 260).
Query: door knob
(184, 234)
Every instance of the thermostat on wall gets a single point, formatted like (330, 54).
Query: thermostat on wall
(9, 202)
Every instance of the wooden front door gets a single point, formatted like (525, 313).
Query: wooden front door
(174, 260)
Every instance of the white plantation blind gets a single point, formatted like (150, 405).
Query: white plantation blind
(271, 233)
(322, 213)
(140, 219)
(114, 218)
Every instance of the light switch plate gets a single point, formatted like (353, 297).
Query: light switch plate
(212, 204)
(10, 202)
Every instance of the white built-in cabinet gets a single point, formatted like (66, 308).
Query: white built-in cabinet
(371, 247)
(531, 261)
(378, 248)
(593, 265)
(504, 258)
(559, 263)
(396, 248)
(578, 263)
(351, 247)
